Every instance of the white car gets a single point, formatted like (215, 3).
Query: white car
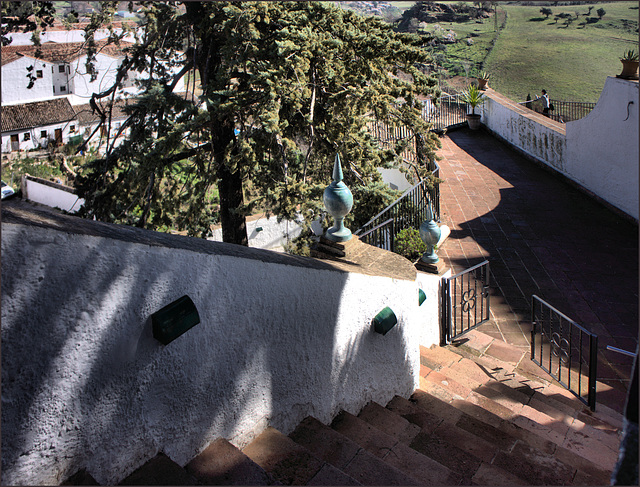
(7, 190)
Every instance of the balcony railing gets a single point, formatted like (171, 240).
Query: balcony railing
(564, 111)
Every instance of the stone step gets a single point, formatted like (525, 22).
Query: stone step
(421, 468)
(221, 463)
(475, 432)
(548, 397)
(388, 422)
(346, 455)
(160, 470)
(282, 458)
(598, 446)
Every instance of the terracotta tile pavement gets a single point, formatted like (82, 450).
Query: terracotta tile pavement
(541, 236)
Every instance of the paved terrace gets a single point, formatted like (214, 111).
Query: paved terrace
(541, 236)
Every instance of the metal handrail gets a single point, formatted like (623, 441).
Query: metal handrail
(386, 222)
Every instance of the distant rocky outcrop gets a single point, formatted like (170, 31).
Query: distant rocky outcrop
(430, 12)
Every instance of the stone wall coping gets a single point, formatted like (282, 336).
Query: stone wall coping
(367, 260)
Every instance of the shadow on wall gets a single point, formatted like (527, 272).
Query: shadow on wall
(85, 384)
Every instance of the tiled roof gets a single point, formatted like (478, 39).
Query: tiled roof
(36, 114)
(56, 52)
(86, 116)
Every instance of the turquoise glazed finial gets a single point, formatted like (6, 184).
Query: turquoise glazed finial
(430, 234)
(338, 200)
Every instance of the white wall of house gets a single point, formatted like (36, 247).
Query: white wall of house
(266, 233)
(602, 148)
(35, 138)
(14, 81)
(83, 87)
(51, 194)
(62, 36)
(85, 384)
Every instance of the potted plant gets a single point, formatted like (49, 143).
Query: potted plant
(629, 65)
(483, 80)
(472, 96)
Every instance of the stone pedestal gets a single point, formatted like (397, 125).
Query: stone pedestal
(328, 249)
(436, 268)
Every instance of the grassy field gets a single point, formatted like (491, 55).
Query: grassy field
(532, 52)
(571, 62)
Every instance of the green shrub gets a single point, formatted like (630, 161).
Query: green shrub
(409, 245)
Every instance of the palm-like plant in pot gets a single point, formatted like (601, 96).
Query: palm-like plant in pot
(629, 65)
(483, 80)
(472, 96)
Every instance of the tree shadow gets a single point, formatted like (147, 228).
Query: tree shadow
(85, 384)
(539, 239)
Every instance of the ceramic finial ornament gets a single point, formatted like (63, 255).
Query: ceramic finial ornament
(338, 201)
(430, 234)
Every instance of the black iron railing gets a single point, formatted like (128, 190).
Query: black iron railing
(449, 112)
(565, 350)
(465, 301)
(382, 235)
(408, 211)
(563, 111)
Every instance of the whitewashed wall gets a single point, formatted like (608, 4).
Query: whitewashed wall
(14, 81)
(35, 140)
(85, 385)
(51, 194)
(267, 233)
(533, 133)
(602, 148)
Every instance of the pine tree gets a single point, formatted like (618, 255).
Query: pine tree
(285, 86)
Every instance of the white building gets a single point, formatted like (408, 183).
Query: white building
(58, 70)
(35, 125)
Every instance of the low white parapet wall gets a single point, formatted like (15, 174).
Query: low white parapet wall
(532, 133)
(85, 384)
(598, 153)
(50, 194)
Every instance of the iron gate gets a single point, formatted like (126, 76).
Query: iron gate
(565, 350)
(465, 301)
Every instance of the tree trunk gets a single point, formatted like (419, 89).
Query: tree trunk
(234, 226)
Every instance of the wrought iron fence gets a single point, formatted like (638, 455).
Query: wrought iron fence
(408, 211)
(565, 350)
(381, 235)
(563, 111)
(449, 112)
(465, 301)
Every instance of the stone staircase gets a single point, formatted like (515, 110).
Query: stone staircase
(475, 420)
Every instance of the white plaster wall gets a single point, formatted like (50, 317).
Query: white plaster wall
(106, 66)
(396, 178)
(50, 196)
(430, 310)
(519, 127)
(602, 148)
(84, 384)
(273, 235)
(36, 141)
(14, 81)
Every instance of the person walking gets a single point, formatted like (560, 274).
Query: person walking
(545, 102)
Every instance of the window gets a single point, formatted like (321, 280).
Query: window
(68, 69)
(117, 125)
(38, 73)
(61, 68)
(27, 136)
(43, 134)
(72, 129)
(52, 71)
(63, 89)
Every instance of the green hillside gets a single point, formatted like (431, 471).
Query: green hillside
(571, 61)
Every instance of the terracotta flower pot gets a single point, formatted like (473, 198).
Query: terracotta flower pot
(629, 70)
(482, 83)
(473, 119)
